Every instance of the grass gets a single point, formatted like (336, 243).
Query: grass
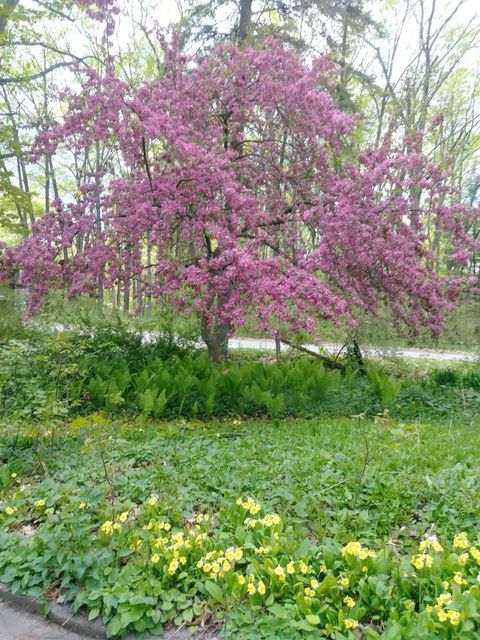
(331, 481)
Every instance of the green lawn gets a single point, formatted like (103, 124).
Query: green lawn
(330, 482)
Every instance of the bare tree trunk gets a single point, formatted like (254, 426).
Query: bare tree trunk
(245, 20)
(215, 336)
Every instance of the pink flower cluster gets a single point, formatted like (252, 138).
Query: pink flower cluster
(233, 172)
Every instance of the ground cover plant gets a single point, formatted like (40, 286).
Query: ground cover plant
(114, 370)
(341, 528)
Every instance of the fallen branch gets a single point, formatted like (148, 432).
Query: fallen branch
(328, 362)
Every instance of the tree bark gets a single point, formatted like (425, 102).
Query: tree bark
(245, 20)
(215, 337)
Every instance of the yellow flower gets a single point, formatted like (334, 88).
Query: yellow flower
(442, 616)
(457, 578)
(309, 593)
(261, 588)
(239, 502)
(422, 560)
(454, 617)
(350, 623)
(241, 579)
(123, 517)
(304, 568)
(443, 599)
(152, 501)
(117, 526)
(255, 509)
(10, 511)
(314, 583)
(238, 553)
(13, 475)
(172, 567)
(350, 602)
(215, 567)
(445, 584)
(226, 566)
(182, 560)
(155, 558)
(463, 559)
(107, 527)
(475, 553)
(351, 549)
(251, 589)
(409, 604)
(207, 567)
(39, 504)
(167, 526)
(344, 582)
(82, 505)
(290, 568)
(461, 541)
(365, 569)
(230, 554)
(280, 573)
(430, 542)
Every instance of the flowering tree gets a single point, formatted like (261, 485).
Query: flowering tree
(233, 196)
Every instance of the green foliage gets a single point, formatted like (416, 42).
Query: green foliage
(128, 520)
(115, 370)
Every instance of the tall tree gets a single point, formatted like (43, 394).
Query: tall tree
(237, 162)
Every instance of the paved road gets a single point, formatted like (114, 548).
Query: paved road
(269, 344)
(428, 354)
(18, 625)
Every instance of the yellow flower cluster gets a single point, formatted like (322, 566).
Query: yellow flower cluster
(350, 623)
(10, 510)
(202, 517)
(310, 591)
(109, 527)
(350, 602)
(422, 560)
(355, 549)
(444, 615)
(430, 543)
(261, 551)
(249, 505)
(39, 504)
(460, 541)
(157, 526)
(280, 573)
(270, 520)
(475, 553)
(253, 588)
(216, 563)
(459, 579)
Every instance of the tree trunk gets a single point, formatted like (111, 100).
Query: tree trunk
(215, 337)
(245, 20)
